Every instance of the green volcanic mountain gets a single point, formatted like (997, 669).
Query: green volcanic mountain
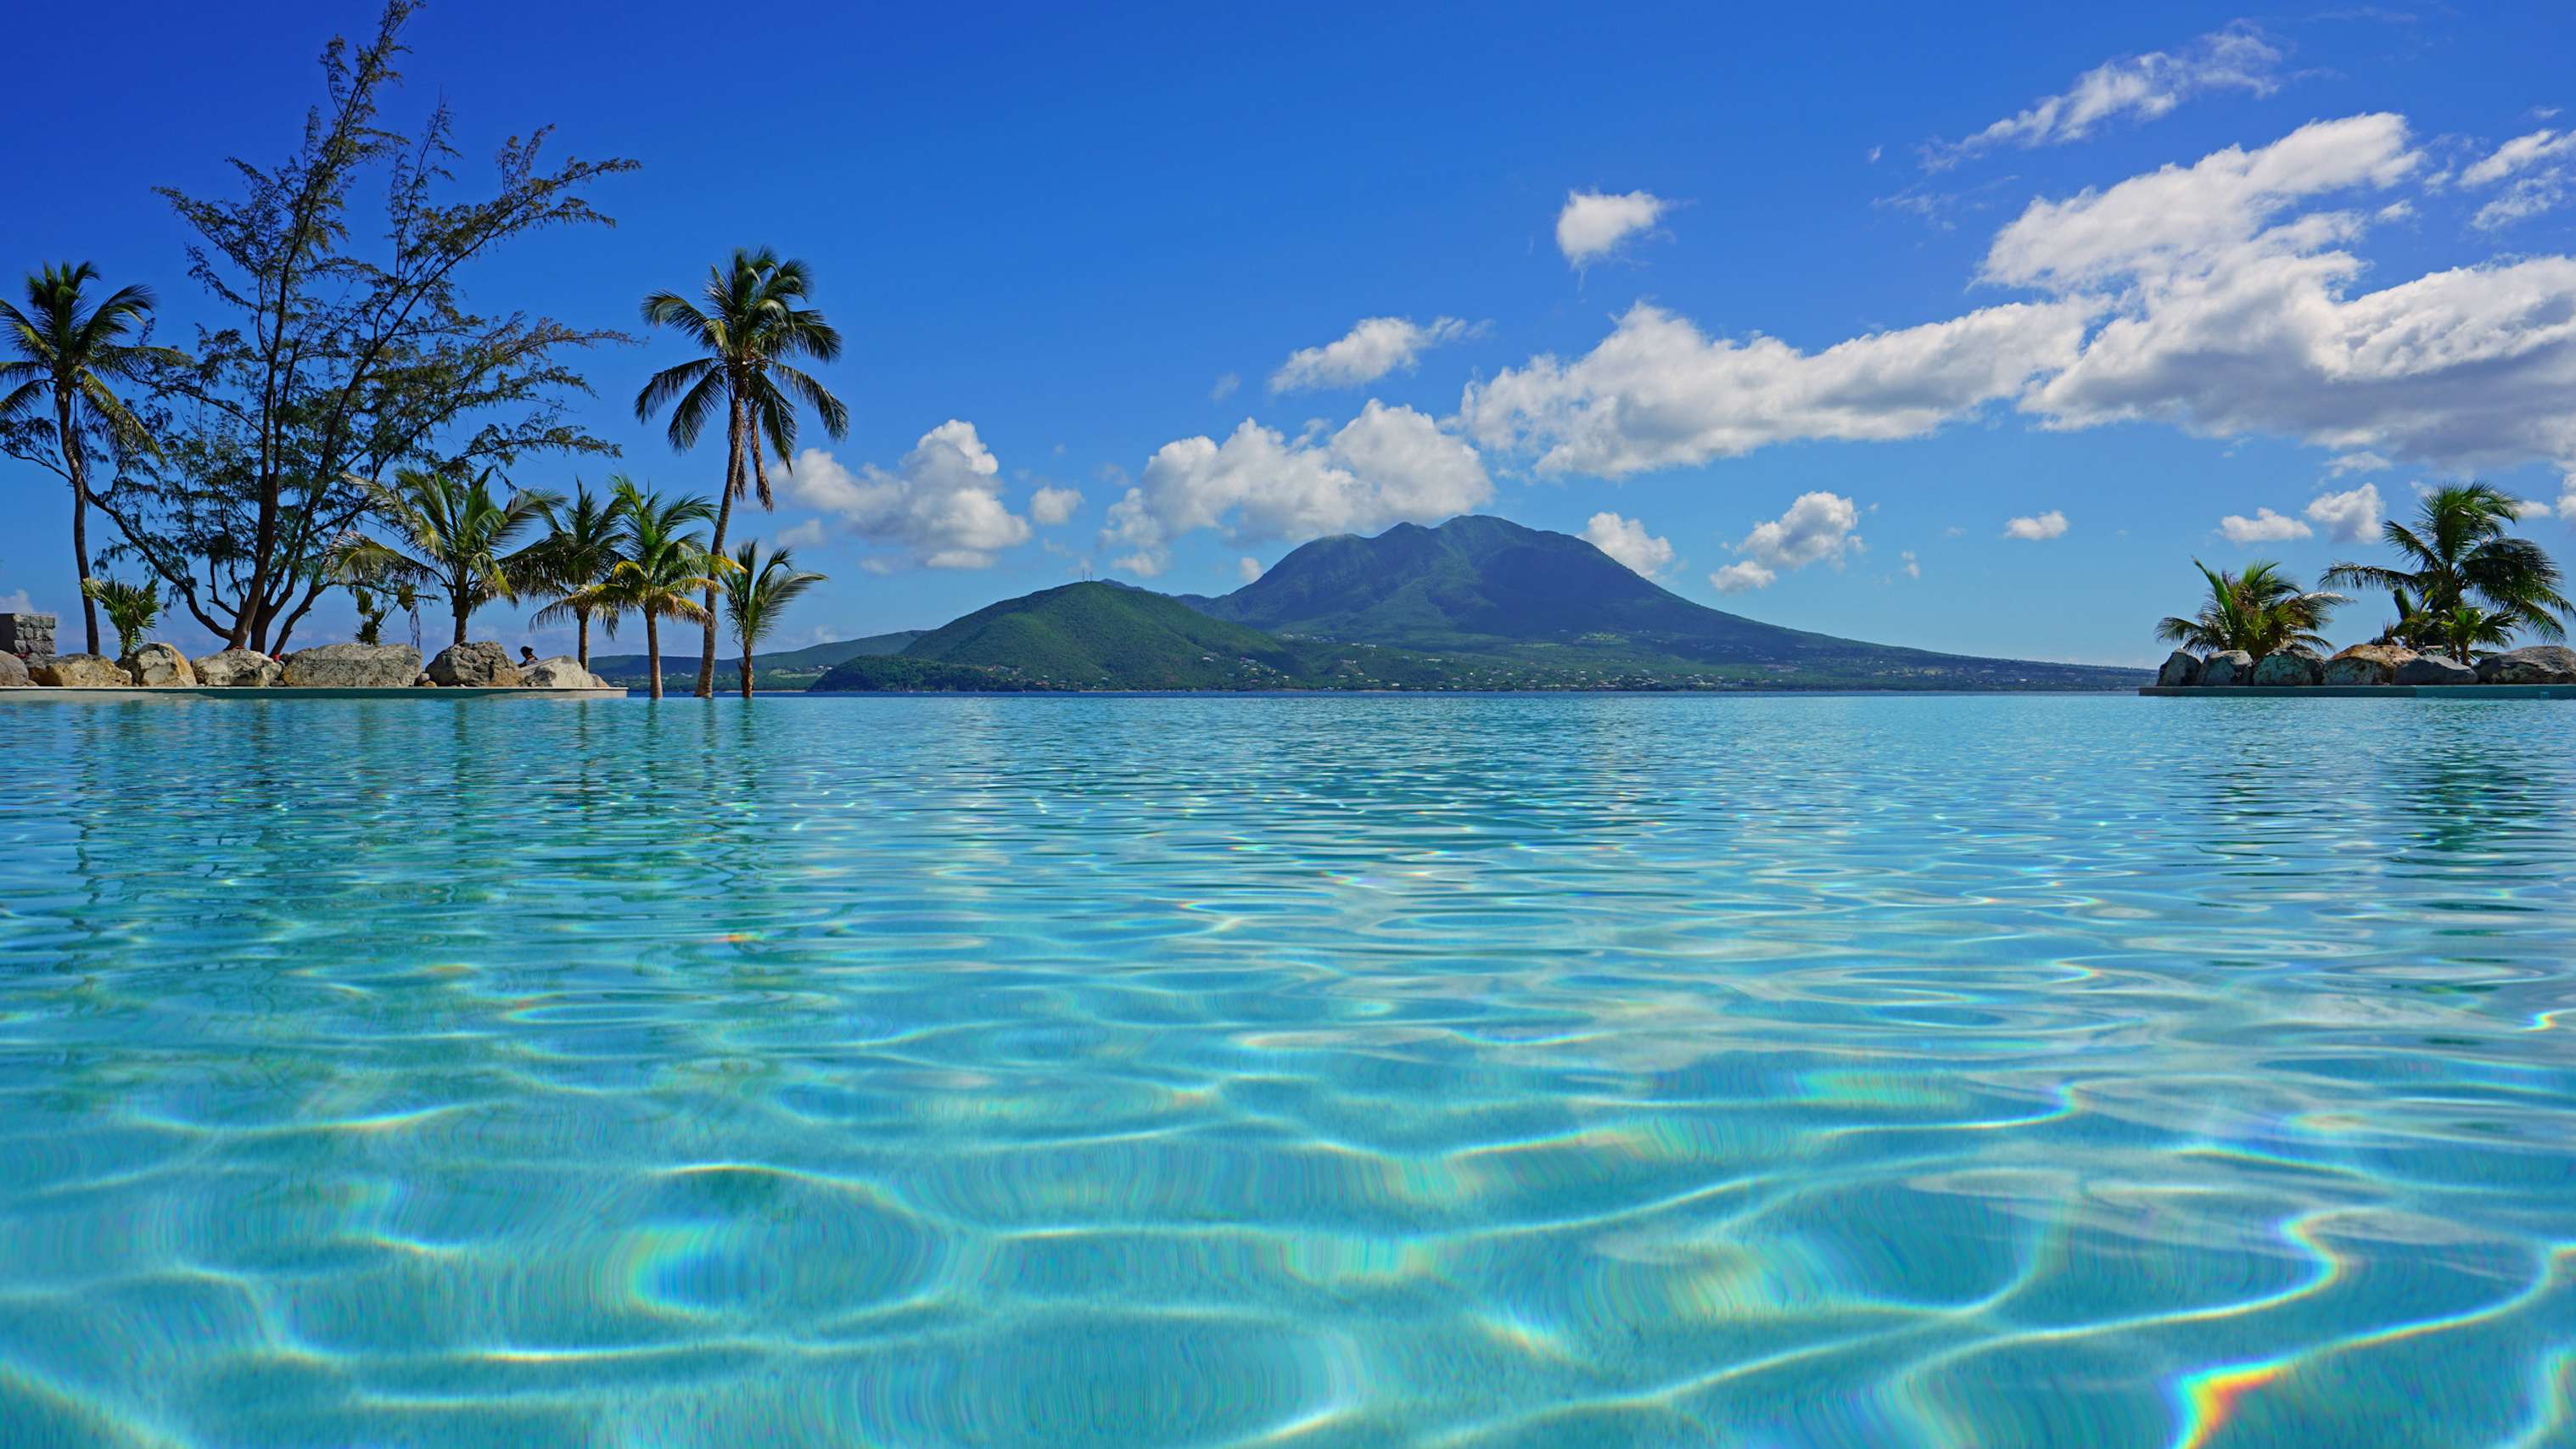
(1477, 603)
(1487, 586)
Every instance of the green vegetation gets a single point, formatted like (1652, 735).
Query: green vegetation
(574, 558)
(132, 609)
(68, 353)
(756, 592)
(2457, 554)
(343, 346)
(454, 534)
(750, 329)
(783, 669)
(2261, 611)
(658, 567)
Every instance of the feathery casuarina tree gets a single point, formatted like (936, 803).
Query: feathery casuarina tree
(2458, 553)
(68, 353)
(752, 325)
(757, 591)
(454, 534)
(2261, 611)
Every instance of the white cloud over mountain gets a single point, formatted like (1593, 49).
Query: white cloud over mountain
(942, 504)
(1593, 223)
(2138, 88)
(1819, 527)
(1388, 465)
(1374, 347)
(1626, 540)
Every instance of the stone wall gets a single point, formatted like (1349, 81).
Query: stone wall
(29, 636)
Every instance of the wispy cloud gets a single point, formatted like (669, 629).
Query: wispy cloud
(2238, 56)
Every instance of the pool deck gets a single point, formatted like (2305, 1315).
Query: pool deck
(202, 691)
(2361, 691)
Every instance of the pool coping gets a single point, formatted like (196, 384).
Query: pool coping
(258, 692)
(2361, 691)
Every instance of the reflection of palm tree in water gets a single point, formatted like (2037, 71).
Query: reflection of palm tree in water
(2468, 791)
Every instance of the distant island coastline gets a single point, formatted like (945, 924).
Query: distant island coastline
(1476, 604)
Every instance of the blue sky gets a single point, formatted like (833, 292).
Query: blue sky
(1855, 289)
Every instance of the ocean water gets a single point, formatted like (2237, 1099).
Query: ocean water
(1524, 1071)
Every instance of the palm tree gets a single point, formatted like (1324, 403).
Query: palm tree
(2468, 628)
(2460, 553)
(752, 324)
(458, 536)
(69, 353)
(757, 591)
(2413, 628)
(2261, 611)
(576, 554)
(132, 609)
(659, 567)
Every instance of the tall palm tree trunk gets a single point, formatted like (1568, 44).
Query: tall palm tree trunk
(78, 467)
(653, 652)
(581, 637)
(746, 671)
(734, 424)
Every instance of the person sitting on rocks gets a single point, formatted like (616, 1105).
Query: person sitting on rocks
(527, 657)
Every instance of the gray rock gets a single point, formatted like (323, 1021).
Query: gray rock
(561, 672)
(159, 666)
(81, 671)
(480, 664)
(2288, 668)
(353, 666)
(2539, 664)
(2434, 669)
(2228, 666)
(13, 672)
(2179, 669)
(240, 669)
(2368, 664)
(423, 681)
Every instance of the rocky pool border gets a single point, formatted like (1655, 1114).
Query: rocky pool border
(110, 693)
(2458, 692)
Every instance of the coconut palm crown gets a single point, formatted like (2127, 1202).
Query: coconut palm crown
(2458, 552)
(751, 324)
(580, 548)
(68, 353)
(658, 567)
(757, 591)
(2261, 611)
(454, 534)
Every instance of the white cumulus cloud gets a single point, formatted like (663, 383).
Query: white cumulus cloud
(1594, 223)
(2036, 528)
(1387, 465)
(1051, 505)
(2264, 527)
(1374, 347)
(1659, 393)
(2347, 516)
(1819, 527)
(942, 504)
(1247, 568)
(2137, 87)
(1626, 540)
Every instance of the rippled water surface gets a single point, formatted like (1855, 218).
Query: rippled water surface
(1522, 1071)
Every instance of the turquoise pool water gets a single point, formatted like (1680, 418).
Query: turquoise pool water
(1527, 1071)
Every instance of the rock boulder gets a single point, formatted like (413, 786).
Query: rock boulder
(2228, 666)
(240, 669)
(81, 671)
(353, 666)
(561, 672)
(2288, 668)
(159, 666)
(13, 672)
(2368, 664)
(2539, 664)
(2179, 669)
(2434, 669)
(480, 664)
